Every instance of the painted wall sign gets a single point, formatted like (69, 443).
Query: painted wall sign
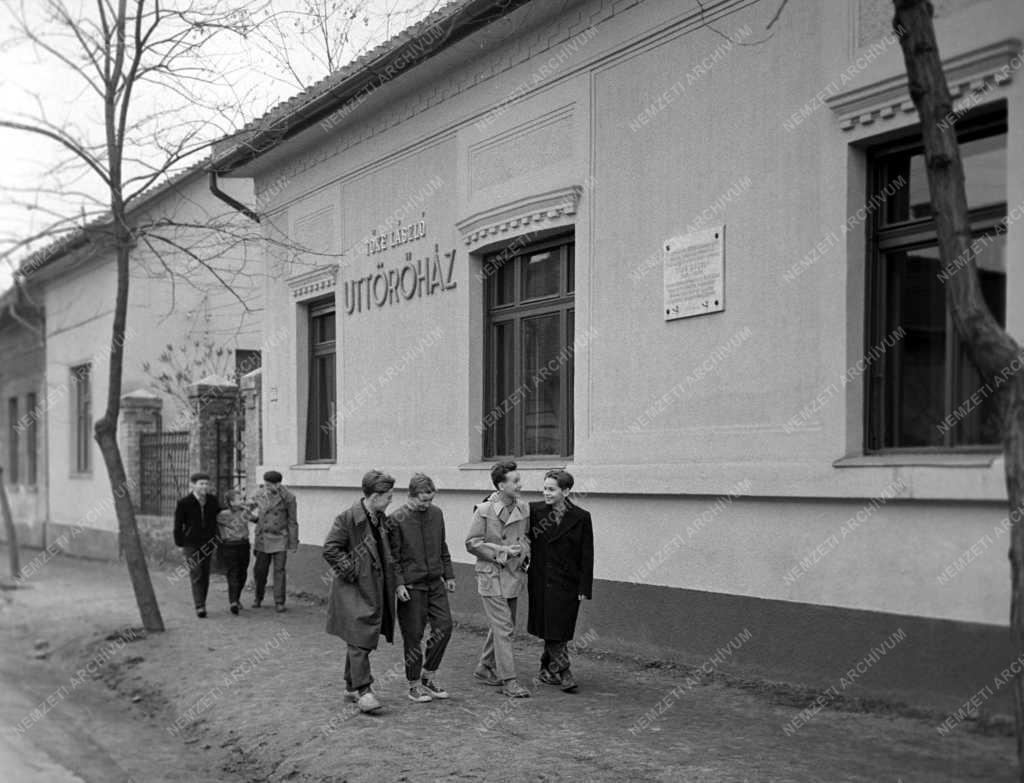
(396, 237)
(418, 278)
(694, 274)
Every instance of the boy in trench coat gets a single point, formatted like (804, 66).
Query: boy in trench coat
(497, 538)
(561, 574)
(361, 605)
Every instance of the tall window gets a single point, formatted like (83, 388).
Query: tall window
(924, 392)
(528, 354)
(81, 380)
(320, 419)
(12, 441)
(32, 438)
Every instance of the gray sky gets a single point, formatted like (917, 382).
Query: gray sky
(254, 76)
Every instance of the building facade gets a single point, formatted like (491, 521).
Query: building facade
(195, 295)
(689, 258)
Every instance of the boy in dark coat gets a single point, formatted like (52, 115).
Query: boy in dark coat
(361, 606)
(195, 531)
(424, 577)
(561, 574)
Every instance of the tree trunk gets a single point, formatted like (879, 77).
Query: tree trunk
(106, 437)
(12, 534)
(993, 351)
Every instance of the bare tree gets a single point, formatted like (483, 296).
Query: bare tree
(994, 352)
(305, 41)
(143, 68)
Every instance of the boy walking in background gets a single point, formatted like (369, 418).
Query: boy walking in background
(233, 523)
(277, 533)
(195, 531)
(424, 577)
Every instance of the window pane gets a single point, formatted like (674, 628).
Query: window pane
(12, 435)
(324, 330)
(31, 438)
(915, 365)
(500, 439)
(321, 409)
(540, 274)
(975, 404)
(505, 283)
(984, 174)
(570, 260)
(544, 364)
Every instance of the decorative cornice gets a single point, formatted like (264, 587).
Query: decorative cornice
(551, 209)
(968, 73)
(314, 282)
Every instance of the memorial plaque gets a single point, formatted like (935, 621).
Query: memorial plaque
(694, 273)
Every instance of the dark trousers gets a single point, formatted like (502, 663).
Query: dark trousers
(235, 555)
(259, 574)
(198, 561)
(427, 605)
(357, 668)
(555, 657)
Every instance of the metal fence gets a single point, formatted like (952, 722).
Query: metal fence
(163, 458)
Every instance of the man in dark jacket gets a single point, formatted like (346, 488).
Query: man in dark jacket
(561, 574)
(195, 531)
(361, 606)
(424, 577)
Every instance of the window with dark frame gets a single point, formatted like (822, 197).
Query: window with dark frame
(12, 441)
(528, 353)
(81, 380)
(323, 390)
(923, 393)
(31, 439)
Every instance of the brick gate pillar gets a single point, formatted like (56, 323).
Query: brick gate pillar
(140, 412)
(212, 402)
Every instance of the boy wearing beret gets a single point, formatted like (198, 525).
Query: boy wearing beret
(277, 533)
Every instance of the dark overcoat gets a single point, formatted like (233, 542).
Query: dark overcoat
(362, 601)
(561, 570)
(195, 523)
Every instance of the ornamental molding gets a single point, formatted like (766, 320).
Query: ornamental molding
(551, 209)
(978, 70)
(314, 282)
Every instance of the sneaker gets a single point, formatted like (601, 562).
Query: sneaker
(234, 608)
(569, 684)
(486, 676)
(368, 702)
(549, 678)
(279, 608)
(201, 611)
(257, 603)
(513, 689)
(434, 689)
(419, 694)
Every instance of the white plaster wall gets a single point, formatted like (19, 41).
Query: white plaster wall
(163, 308)
(640, 187)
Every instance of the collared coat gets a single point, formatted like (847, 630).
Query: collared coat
(361, 606)
(195, 523)
(561, 570)
(277, 525)
(496, 574)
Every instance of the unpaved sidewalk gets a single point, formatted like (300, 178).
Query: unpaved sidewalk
(260, 697)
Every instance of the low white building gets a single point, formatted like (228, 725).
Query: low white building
(690, 258)
(197, 288)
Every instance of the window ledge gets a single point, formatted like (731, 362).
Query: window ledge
(524, 463)
(313, 466)
(947, 460)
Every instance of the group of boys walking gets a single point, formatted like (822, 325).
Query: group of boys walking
(398, 567)
(202, 528)
(547, 547)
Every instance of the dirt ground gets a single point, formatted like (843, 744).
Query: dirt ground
(259, 697)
